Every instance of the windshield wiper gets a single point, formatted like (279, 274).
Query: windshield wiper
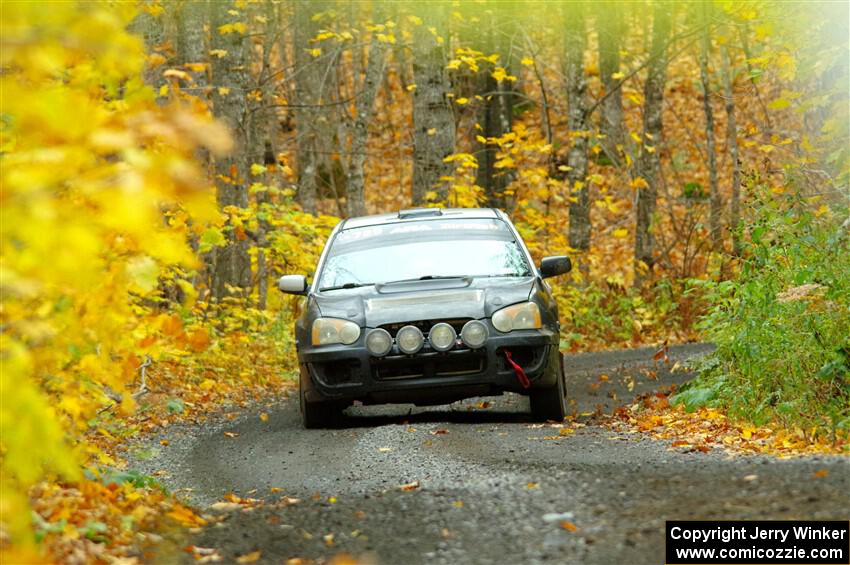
(346, 285)
(428, 278)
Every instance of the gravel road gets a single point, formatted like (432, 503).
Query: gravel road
(492, 486)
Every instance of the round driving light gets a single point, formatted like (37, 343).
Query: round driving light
(409, 339)
(379, 342)
(442, 337)
(474, 334)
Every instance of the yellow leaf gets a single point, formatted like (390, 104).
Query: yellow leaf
(163, 90)
(315, 52)
(235, 27)
(223, 91)
(618, 76)
(461, 101)
(252, 557)
(527, 61)
(621, 232)
(220, 53)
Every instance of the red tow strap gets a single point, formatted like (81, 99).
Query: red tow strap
(520, 373)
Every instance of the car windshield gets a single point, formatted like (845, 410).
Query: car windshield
(426, 249)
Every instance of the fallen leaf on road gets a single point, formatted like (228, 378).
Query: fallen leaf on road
(569, 526)
(750, 478)
(231, 434)
(532, 485)
(821, 473)
(252, 557)
(329, 539)
(440, 432)
(275, 489)
(565, 431)
(410, 486)
(457, 504)
(384, 449)
(185, 516)
(164, 442)
(264, 417)
(225, 506)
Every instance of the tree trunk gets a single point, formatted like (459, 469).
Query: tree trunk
(230, 80)
(262, 148)
(648, 163)
(732, 149)
(433, 120)
(496, 112)
(307, 99)
(575, 43)
(610, 27)
(152, 30)
(365, 105)
(710, 144)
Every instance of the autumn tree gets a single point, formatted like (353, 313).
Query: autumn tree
(365, 93)
(575, 40)
(495, 112)
(710, 144)
(610, 29)
(230, 57)
(649, 162)
(433, 119)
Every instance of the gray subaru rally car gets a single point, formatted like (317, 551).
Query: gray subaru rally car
(427, 306)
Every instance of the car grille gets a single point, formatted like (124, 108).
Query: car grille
(454, 363)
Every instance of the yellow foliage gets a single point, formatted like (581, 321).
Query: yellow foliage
(89, 164)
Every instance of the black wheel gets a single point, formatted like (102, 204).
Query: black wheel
(550, 403)
(316, 414)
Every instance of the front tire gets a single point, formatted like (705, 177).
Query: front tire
(550, 403)
(316, 414)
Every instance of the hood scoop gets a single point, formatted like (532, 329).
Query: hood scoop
(415, 285)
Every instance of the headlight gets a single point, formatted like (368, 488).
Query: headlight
(409, 339)
(332, 330)
(524, 316)
(442, 337)
(379, 342)
(474, 334)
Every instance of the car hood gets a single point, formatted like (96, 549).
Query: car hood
(374, 306)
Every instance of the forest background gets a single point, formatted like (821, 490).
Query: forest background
(164, 162)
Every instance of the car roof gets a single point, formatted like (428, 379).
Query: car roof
(421, 215)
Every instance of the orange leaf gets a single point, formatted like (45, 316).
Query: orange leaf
(410, 486)
(569, 526)
(252, 557)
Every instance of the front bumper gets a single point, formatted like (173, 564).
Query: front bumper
(350, 372)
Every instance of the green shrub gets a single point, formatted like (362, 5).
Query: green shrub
(782, 328)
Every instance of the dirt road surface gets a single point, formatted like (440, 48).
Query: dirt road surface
(487, 485)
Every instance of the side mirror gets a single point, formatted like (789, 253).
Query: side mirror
(555, 265)
(293, 284)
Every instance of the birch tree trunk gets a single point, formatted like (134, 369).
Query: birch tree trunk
(575, 43)
(732, 149)
(610, 27)
(365, 105)
(710, 144)
(433, 120)
(231, 77)
(648, 163)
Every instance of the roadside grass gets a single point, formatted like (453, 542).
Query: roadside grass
(782, 327)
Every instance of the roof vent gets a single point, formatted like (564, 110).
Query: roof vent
(419, 213)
